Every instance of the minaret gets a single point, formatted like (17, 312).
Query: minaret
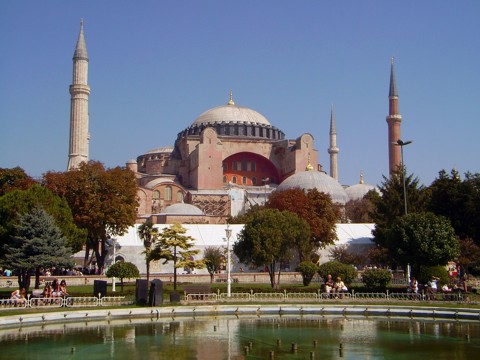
(79, 91)
(393, 119)
(333, 149)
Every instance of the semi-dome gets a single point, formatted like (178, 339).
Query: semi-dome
(358, 191)
(312, 179)
(231, 113)
(182, 209)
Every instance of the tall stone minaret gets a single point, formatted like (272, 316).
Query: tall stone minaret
(79, 91)
(393, 119)
(333, 149)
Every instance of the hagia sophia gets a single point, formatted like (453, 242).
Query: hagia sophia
(226, 160)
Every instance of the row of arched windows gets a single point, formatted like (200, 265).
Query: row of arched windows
(168, 194)
(244, 180)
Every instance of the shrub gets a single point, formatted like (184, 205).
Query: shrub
(347, 272)
(308, 271)
(376, 278)
(425, 272)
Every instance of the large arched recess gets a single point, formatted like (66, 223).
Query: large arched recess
(249, 169)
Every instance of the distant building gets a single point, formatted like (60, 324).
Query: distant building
(228, 159)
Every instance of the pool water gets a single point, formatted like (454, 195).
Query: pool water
(321, 337)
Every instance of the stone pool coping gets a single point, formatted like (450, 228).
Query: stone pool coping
(410, 312)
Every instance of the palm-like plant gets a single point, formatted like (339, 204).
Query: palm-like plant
(148, 233)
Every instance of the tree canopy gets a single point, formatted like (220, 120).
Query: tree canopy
(316, 208)
(18, 202)
(14, 179)
(38, 243)
(459, 201)
(123, 270)
(103, 201)
(269, 236)
(421, 239)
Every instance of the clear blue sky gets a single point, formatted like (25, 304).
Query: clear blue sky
(156, 65)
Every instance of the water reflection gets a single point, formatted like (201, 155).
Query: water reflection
(231, 338)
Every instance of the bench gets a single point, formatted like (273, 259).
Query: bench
(197, 292)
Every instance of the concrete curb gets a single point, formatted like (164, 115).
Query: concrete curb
(433, 313)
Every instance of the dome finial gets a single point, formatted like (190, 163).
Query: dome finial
(309, 165)
(362, 181)
(231, 102)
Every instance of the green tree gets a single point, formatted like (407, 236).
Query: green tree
(103, 201)
(213, 257)
(421, 239)
(458, 201)
(391, 205)
(316, 208)
(173, 245)
(376, 278)
(18, 202)
(123, 270)
(469, 253)
(308, 270)
(268, 237)
(347, 272)
(14, 179)
(148, 233)
(38, 243)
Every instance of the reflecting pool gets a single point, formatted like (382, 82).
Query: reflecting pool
(321, 337)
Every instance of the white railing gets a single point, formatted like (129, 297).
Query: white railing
(73, 301)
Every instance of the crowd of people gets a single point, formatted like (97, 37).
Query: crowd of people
(432, 287)
(54, 289)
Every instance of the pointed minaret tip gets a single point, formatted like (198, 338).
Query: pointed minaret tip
(362, 181)
(393, 84)
(231, 102)
(333, 129)
(81, 48)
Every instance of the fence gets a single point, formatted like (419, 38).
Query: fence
(322, 296)
(81, 301)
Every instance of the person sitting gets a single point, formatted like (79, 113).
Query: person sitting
(329, 284)
(339, 287)
(432, 287)
(63, 288)
(413, 286)
(56, 288)
(47, 291)
(18, 296)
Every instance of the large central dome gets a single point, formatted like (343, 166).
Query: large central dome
(231, 113)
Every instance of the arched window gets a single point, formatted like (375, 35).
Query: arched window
(254, 180)
(244, 180)
(156, 195)
(168, 193)
(224, 179)
(234, 179)
(179, 196)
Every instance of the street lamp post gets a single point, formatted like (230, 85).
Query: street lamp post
(114, 241)
(402, 144)
(228, 233)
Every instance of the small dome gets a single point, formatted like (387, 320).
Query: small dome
(182, 209)
(231, 113)
(316, 180)
(358, 191)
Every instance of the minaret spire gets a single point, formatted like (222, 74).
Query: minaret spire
(79, 93)
(333, 149)
(393, 119)
(231, 102)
